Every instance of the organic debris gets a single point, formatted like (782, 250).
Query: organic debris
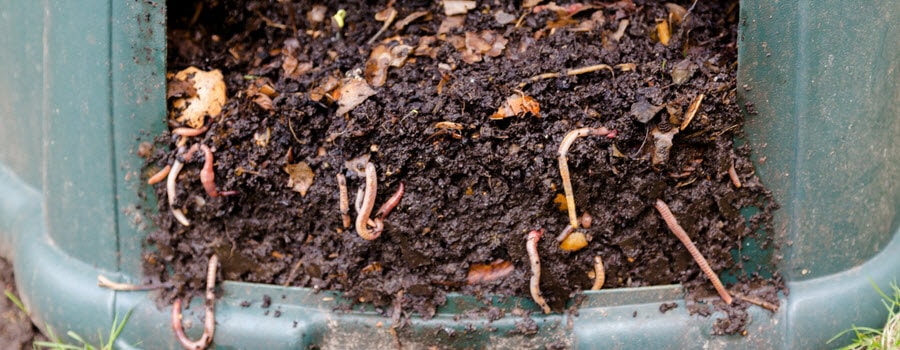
(483, 43)
(457, 7)
(381, 58)
(683, 70)
(353, 92)
(301, 177)
(208, 101)
(517, 105)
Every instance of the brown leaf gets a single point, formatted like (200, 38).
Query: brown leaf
(383, 57)
(485, 42)
(265, 102)
(353, 92)
(318, 92)
(676, 12)
(301, 177)
(209, 100)
(481, 273)
(682, 71)
(457, 7)
(424, 48)
(293, 68)
(518, 105)
(180, 88)
(450, 23)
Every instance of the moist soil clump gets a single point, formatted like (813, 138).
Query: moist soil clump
(474, 185)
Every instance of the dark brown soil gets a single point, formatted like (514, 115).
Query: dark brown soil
(16, 329)
(472, 199)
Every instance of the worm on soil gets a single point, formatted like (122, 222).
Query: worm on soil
(368, 203)
(190, 131)
(683, 237)
(209, 321)
(735, 180)
(535, 285)
(585, 221)
(207, 175)
(599, 273)
(170, 192)
(159, 176)
(343, 200)
(386, 208)
(564, 166)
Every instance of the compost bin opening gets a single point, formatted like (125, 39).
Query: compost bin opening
(465, 109)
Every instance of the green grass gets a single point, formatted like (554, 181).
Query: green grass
(57, 344)
(871, 338)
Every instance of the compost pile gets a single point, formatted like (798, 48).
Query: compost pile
(464, 104)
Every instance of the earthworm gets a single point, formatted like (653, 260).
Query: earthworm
(159, 176)
(564, 166)
(385, 209)
(585, 221)
(758, 302)
(207, 175)
(343, 201)
(189, 154)
(599, 273)
(535, 285)
(104, 282)
(209, 321)
(683, 237)
(368, 203)
(190, 131)
(170, 192)
(735, 180)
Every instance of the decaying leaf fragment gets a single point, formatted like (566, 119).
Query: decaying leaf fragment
(209, 98)
(457, 7)
(643, 111)
(682, 71)
(517, 105)
(676, 13)
(485, 42)
(663, 32)
(480, 273)
(662, 143)
(381, 58)
(353, 91)
(301, 177)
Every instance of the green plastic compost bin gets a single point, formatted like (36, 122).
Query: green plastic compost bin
(84, 84)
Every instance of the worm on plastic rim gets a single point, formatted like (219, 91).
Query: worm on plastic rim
(368, 203)
(695, 253)
(209, 321)
(535, 260)
(170, 192)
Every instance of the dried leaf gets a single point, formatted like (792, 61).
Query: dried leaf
(662, 143)
(210, 97)
(424, 48)
(682, 71)
(676, 13)
(518, 105)
(692, 111)
(643, 111)
(263, 101)
(318, 92)
(626, 67)
(377, 65)
(504, 18)
(485, 42)
(450, 23)
(481, 273)
(180, 88)
(457, 7)
(663, 32)
(293, 68)
(317, 14)
(353, 92)
(301, 177)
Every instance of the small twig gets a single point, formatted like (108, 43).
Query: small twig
(368, 203)
(293, 272)
(170, 192)
(104, 282)
(570, 72)
(535, 285)
(692, 249)
(159, 176)
(291, 128)
(189, 132)
(343, 200)
(564, 166)
(209, 321)
(758, 302)
(735, 180)
(392, 14)
(599, 273)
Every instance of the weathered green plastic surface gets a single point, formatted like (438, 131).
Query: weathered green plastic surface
(85, 85)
